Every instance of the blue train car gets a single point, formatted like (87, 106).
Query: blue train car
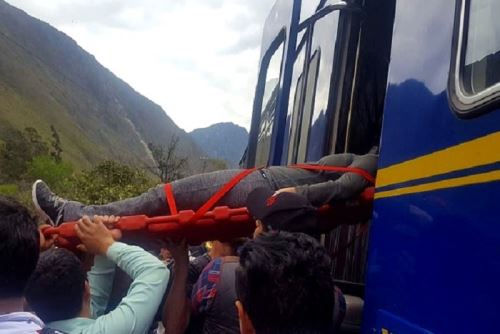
(420, 80)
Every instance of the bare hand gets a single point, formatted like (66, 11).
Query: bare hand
(286, 190)
(165, 254)
(179, 251)
(95, 236)
(46, 243)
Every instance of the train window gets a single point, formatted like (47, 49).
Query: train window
(308, 8)
(475, 73)
(482, 54)
(269, 101)
(324, 39)
(294, 105)
(309, 97)
(310, 93)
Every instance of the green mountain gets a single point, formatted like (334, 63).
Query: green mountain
(47, 79)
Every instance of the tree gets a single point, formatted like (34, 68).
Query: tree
(211, 165)
(218, 164)
(37, 145)
(168, 165)
(56, 145)
(56, 174)
(107, 182)
(15, 154)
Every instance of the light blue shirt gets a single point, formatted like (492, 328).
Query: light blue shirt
(20, 323)
(136, 311)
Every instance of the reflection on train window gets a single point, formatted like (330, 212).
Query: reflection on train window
(482, 53)
(310, 93)
(324, 38)
(269, 101)
(307, 9)
(294, 103)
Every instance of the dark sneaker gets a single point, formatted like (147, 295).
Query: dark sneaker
(48, 205)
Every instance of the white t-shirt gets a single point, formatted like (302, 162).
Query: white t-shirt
(20, 322)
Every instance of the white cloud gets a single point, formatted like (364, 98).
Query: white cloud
(198, 59)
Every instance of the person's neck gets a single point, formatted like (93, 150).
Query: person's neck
(85, 312)
(10, 305)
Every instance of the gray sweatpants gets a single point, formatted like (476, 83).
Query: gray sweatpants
(192, 192)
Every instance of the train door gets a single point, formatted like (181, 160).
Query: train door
(433, 260)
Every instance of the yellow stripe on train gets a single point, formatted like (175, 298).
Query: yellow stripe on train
(450, 183)
(477, 152)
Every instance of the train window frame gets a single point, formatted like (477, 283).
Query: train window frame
(463, 104)
(279, 42)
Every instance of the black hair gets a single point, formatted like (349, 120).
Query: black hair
(285, 285)
(236, 244)
(19, 247)
(55, 290)
(298, 221)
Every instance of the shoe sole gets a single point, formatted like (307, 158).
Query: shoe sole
(38, 209)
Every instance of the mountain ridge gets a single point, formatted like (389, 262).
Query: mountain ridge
(214, 141)
(47, 79)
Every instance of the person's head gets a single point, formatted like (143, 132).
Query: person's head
(58, 290)
(282, 212)
(19, 247)
(284, 285)
(226, 248)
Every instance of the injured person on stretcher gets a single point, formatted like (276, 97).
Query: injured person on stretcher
(319, 185)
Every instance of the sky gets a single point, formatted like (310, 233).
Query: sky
(198, 59)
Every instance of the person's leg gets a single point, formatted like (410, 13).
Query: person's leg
(151, 203)
(190, 193)
(59, 210)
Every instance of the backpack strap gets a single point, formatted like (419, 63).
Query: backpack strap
(320, 168)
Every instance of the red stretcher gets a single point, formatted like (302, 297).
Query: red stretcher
(223, 223)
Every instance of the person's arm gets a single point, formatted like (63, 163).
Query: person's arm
(136, 311)
(100, 277)
(345, 187)
(176, 312)
(338, 160)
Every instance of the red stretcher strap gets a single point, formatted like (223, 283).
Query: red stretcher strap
(361, 172)
(169, 194)
(220, 193)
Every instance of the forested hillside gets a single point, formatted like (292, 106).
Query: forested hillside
(47, 80)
